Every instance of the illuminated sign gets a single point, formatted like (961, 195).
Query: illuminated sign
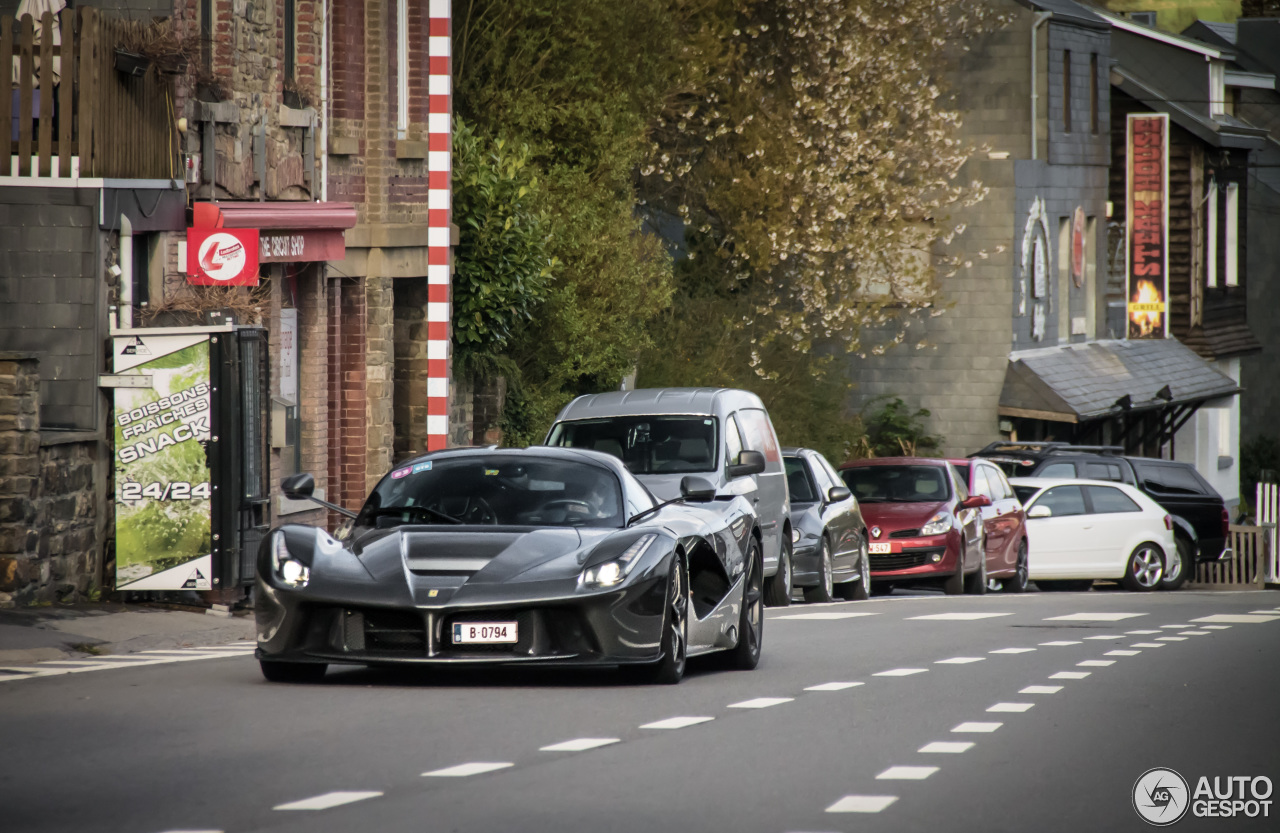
(1147, 227)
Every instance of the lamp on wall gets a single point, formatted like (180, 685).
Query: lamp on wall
(1124, 403)
(1165, 393)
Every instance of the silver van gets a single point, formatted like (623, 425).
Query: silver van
(663, 434)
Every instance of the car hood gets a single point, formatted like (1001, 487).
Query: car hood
(478, 555)
(893, 516)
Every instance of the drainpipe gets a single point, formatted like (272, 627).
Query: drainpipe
(1035, 90)
(126, 273)
(324, 105)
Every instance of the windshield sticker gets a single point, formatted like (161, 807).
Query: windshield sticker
(399, 473)
(422, 467)
(491, 472)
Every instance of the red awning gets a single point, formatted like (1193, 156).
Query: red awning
(274, 215)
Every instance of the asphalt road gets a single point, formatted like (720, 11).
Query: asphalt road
(208, 745)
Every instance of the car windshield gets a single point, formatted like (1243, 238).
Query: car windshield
(646, 444)
(897, 484)
(497, 490)
(1024, 493)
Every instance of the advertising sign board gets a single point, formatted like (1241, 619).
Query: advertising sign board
(222, 257)
(1147, 226)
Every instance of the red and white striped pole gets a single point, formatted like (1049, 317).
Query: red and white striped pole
(439, 199)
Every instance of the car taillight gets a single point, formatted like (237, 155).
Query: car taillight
(1168, 522)
(1226, 522)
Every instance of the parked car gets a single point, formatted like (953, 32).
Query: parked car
(1085, 530)
(724, 435)
(1004, 523)
(828, 535)
(925, 527)
(1199, 514)
(513, 556)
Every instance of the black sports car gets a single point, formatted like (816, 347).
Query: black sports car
(500, 556)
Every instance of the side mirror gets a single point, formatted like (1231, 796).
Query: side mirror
(749, 462)
(975, 502)
(298, 486)
(838, 493)
(697, 489)
(1040, 512)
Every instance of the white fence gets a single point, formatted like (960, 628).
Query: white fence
(1268, 508)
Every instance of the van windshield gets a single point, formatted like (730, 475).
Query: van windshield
(646, 444)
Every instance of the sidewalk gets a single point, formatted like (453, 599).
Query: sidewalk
(36, 634)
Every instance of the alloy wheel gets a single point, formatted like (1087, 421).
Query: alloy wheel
(1147, 567)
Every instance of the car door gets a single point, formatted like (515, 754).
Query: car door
(837, 516)
(971, 528)
(993, 529)
(1059, 542)
(1112, 514)
(1007, 521)
(772, 504)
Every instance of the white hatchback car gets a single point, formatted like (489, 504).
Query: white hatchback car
(1082, 530)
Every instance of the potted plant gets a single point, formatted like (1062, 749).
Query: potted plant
(156, 44)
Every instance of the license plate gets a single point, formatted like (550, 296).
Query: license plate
(484, 633)
(880, 549)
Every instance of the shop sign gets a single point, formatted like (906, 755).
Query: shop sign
(1077, 247)
(222, 257)
(303, 245)
(1147, 225)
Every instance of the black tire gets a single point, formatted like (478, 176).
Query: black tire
(1144, 570)
(1017, 583)
(777, 590)
(675, 628)
(746, 654)
(975, 584)
(1184, 565)
(292, 672)
(954, 585)
(824, 591)
(1065, 585)
(860, 590)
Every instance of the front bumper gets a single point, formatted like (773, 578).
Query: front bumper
(806, 564)
(912, 559)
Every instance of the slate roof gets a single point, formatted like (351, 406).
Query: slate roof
(1068, 10)
(1081, 382)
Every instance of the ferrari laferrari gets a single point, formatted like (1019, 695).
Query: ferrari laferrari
(538, 556)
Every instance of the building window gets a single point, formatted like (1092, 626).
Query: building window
(1064, 279)
(402, 68)
(1211, 235)
(1066, 90)
(1093, 93)
(1217, 89)
(290, 39)
(1233, 235)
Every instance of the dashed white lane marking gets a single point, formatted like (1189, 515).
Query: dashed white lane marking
(324, 802)
(1147, 645)
(676, 722)
(1266, 612)
(193, 831)
(906, 773)
(579, 744)
(959, 660)
(464, 770)
(1172, 638)
(1108, 636)
(1175, 627)
(1237, 618)
(1096, 663)
(1094, 617)
(1062, 642)
(1070, 675)
(900, 672)
(1122, 653)
(825, 615)
(1216, 627)
(761, 703)
(862, 804)
(1193, 633)
(977, 727)
(832, 686)
(945, 747)
(958, 617)
(1140, 633)
(1012, 708)
(1041, 689)
(1011, 651)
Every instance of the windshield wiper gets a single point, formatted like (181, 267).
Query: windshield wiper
(652, 509)
(396, 510)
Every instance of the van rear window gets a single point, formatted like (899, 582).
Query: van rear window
(646, 444)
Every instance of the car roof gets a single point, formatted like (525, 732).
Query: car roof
(1046, 482)
(895, 461)
(659, 402)
(580, 455)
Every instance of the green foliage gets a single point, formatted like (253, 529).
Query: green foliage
(1259, 460)
(895, 430)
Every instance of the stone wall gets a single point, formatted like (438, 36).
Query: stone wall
(52, 497)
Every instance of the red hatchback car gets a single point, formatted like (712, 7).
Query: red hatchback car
(924, 527)
(1004, 522)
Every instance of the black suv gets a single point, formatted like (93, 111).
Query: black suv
(1199, 513)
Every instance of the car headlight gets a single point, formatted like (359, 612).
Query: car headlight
(795, 536)
(612, 572)
(288, 570)
(938, 524)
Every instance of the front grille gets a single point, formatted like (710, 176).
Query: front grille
(897, 562)
(905, 533)
(388, 632)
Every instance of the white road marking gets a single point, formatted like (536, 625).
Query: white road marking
(1175, 627)
(900, 672)
(1147, 645)
(1104, 637)
(862, 804)
(958, 617)
(193, 831)
(959, 660)
(1062, 642)
(1070, 675)
(1011, 651)
(1193, 633)
(324, 802)
(832, 686)
(579, 744)
(464, 770)
(977, 727)
(1266, 612)
(761, 703)
(1096, 663)
(1140, 633)
(824, 615)
(676, 722)
(953, 747)
(1094, 617)
(1041, 689)
(1216, 627)
(1122, 653)
(69, 662)
(1237, 618)
(906, 773)
(1014, 708)
(1172, 638)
